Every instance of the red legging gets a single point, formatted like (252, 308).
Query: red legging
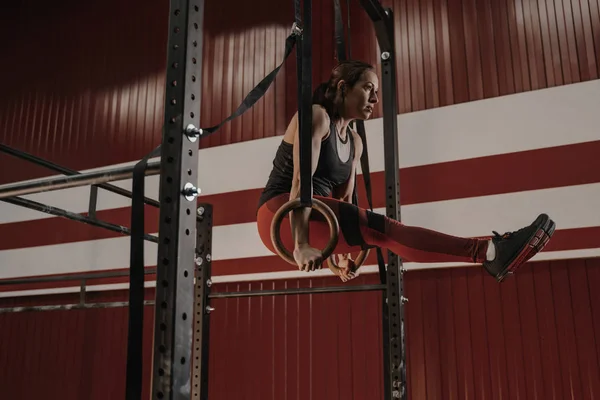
(410, 243)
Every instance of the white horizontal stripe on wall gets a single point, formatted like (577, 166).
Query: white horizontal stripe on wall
(570, 207)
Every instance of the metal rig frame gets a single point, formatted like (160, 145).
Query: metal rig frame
(395, 386)
(182, 302)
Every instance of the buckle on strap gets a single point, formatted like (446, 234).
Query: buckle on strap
(296, 29)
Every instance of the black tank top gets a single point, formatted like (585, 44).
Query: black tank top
(330, 172)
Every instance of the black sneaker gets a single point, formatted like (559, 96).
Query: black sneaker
(513, 249)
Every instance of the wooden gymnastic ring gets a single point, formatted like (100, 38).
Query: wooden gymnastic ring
(360, 260)
(318, 205)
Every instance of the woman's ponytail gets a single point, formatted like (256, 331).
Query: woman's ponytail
(322, 97)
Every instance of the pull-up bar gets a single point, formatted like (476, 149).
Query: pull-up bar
(67, 171)
(290, 291)
(65, 182)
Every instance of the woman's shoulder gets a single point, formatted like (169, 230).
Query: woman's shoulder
(320, 114)
(320, 121)
(320, 124)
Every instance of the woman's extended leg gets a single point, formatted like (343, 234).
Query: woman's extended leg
(360, 227)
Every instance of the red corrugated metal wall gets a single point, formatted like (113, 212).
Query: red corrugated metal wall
(84, 87)
(535, 336)
(452, 51)
(91, 92)
(84, 84)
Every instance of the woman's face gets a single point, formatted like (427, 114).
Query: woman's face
(360, 99)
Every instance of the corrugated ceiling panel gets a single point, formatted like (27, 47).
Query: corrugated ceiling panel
(535, 336)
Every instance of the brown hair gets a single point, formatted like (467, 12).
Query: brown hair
(326, 94)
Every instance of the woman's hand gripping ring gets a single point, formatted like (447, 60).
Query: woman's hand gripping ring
(318, 205)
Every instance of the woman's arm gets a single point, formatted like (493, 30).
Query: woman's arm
(320, 129)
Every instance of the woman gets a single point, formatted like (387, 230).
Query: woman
(350, 94)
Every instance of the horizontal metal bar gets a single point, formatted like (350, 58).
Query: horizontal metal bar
(314, 290)
(74, 277)
(317, 290)
(67, 171)
(59, 212)
(57, 307)
(92, 178)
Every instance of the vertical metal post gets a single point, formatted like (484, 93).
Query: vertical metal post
(177, 195)
(304, 66)
(202, 307)
(394, 346)
(93, 202)
(393, 311)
